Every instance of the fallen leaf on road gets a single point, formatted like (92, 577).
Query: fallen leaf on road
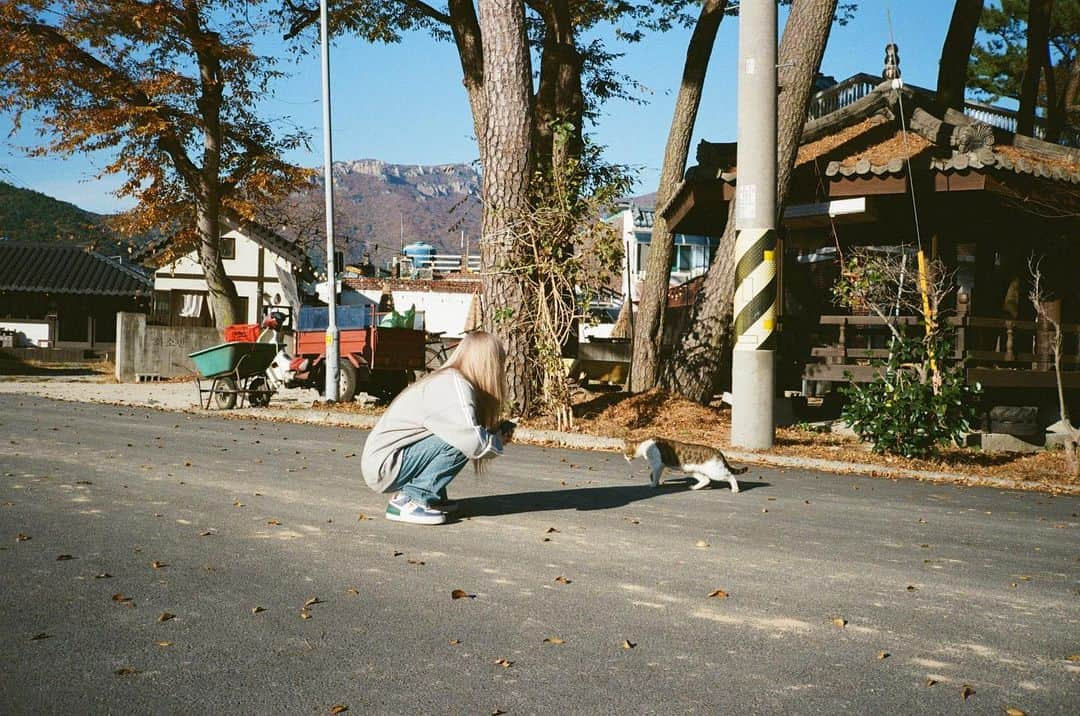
(1014, 712)
(313, 600)
(397, 553)
(840, 622)
(256, 610)
(455, 642)
(504, 663)
(554, 640)
(361, 517)
(273, 522)
(39, 637)
(158, 565)
(120, 598)
(1024, 578)
(83, 482)
(883, 655)
(967, 691)
(460, 594)
(126, 671)
(163, 643)
(562, 580)
(415, 561)
(338, 709)
(764, 510)
(931, 682)
(305, 614)
(206, 533)
(701, 543)
(627, 644)
(549, 530)
(911, 587)
(497, 712)
(353, 591)
(718, 594)
(187, 463)
(21, 537)
(165, 616)
(238, 503)
(63, 557)
(1073, 657)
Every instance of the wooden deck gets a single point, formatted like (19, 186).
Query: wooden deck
(998, 353)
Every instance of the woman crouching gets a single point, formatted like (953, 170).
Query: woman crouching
(434, 427)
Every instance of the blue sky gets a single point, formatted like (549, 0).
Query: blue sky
(405, 103)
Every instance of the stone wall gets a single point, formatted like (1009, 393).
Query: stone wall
(157, 350)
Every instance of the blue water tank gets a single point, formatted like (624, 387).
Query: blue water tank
(421, 253)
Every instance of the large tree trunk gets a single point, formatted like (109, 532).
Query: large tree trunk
(1038, 33)
(649, 327)
(956, 52)
(699, 359)
(507, 151)
(222, 291)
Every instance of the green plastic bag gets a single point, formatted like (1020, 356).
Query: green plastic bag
(399, 320)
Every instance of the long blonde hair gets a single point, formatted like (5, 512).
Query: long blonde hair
(481, 359)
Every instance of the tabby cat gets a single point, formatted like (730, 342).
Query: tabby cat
(704, 463)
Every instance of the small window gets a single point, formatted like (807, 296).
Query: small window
(227, 247)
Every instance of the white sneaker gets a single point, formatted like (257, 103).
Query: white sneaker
(402, 509)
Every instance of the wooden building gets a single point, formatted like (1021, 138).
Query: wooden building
(986, 199)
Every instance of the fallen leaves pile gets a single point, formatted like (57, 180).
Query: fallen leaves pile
(655, 413)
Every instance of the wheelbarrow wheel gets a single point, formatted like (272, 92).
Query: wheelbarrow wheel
(258, 392)
(225, 394)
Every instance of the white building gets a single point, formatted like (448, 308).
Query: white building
(252, 256)
(690, 258)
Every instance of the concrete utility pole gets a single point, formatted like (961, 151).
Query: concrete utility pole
(752, 378)
(332, 334)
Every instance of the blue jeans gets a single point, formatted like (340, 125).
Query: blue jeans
(427, 467)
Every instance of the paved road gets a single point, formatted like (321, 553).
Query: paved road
(957, 586)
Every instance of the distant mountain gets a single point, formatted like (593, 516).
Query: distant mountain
(27, 215)
(378, 206)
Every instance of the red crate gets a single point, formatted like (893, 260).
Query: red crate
(242, 333)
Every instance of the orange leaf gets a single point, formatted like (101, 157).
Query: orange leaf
(718, 594)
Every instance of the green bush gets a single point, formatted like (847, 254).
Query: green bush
(900, 413)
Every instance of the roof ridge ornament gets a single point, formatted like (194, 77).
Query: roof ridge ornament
(892, 63)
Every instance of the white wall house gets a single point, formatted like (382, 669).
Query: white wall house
(251, 255)
(690, 258)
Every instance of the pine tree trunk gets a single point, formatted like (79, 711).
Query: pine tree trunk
(955, 53)
(649, 326)
(1038, 32)
(507, 152)
(704, 353)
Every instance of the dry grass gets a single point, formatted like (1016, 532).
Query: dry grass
(898, 146)
(1016, 154)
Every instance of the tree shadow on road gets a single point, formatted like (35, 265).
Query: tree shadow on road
(581, 498)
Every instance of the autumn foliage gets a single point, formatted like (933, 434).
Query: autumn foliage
(170, 90)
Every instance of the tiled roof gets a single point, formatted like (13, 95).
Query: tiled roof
(643, 218)
(258, 233)
(66, 268)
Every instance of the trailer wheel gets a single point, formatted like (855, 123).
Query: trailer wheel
(346, 381)
(386, 384)
(225, 394)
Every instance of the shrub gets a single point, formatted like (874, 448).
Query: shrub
(901, 413)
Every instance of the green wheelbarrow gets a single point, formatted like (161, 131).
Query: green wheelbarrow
(236, 372)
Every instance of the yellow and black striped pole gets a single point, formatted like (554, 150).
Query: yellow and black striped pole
(752, 371)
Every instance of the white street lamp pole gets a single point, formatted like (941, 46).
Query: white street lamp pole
(332, 334)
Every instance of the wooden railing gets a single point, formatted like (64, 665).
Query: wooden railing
(858, 86)
(998, 352)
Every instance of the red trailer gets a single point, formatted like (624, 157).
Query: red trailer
(375, 359)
